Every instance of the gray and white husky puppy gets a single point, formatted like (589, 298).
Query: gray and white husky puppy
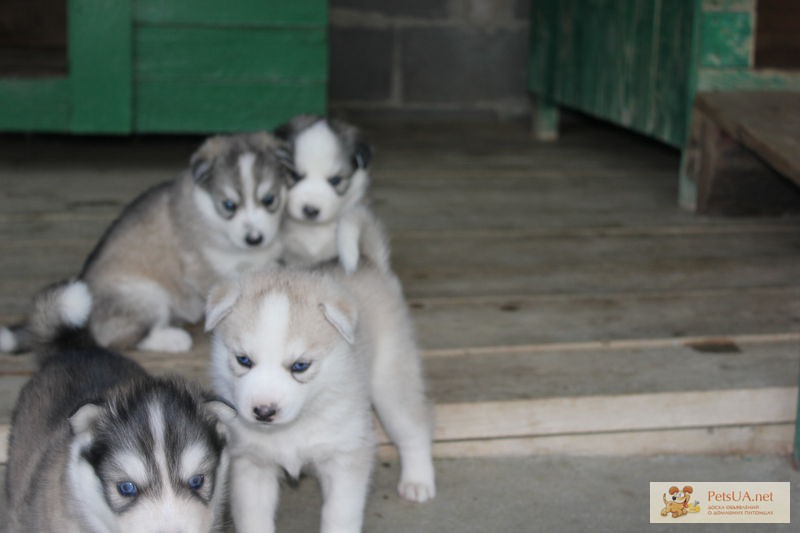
(99, 446)
(303, 355)
(158, 260)
(327, 211)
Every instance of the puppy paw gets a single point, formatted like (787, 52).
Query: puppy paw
(8, 341)
(416, 491)
(171, 340)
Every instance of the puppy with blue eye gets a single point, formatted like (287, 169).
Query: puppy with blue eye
(327, 216)
(156, 263)
(303, 356)
(99, 446)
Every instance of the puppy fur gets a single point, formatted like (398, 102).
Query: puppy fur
(155, 264)
(327, 212)
(90, 420)
(352, 338)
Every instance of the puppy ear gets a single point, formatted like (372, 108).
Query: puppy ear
(688, 488)
(285, 156)
(343, 317)
(673, 490)
(201, 168)
(83, 419)
(362, 155)
(220, 302)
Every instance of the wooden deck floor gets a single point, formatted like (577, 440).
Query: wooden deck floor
(564, 303)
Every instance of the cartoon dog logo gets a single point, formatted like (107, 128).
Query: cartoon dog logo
(677, 503)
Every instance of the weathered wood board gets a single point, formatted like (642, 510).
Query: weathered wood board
(768, 123)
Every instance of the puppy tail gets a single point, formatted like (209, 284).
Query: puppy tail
(58, 321)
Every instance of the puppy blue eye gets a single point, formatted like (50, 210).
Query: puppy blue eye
(244, 361)
(300, 366)
(268, 200)
(196, 483)
(336, 180)
(229, 206)
(127, 489)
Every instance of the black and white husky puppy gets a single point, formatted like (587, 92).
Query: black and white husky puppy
(154, 266)
(99, 446)
(327, 215)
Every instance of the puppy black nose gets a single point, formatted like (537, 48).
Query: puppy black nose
(310, 212)
(265, 413)
(253, 239)
(674, 498)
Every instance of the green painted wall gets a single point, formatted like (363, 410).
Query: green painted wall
(179, 66)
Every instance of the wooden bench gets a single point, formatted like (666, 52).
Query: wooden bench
(744, 152)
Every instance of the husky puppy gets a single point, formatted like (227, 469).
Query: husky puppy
(327, 213)
(157, 261)
(302, 355)
(99, 446)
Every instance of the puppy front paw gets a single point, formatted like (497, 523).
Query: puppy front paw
(417, 491)
(171, 340)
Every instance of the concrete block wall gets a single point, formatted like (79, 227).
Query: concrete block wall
(429, 59)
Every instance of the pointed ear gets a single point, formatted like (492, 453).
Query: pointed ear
(84, 418)
(220, 301)
(201, 168)
(362, 155)
(343, 317)
(285, 155)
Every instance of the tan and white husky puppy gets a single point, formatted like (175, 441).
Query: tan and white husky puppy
(304, 356)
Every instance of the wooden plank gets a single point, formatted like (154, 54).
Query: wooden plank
(767, 123)
(574, 318)
(100, 75)
(180, 106)
(300, 13)
(39, 104)
(773, 439)
(570, 264)
(253, 54)
(717, 366)
(602, 414)
(747, 80)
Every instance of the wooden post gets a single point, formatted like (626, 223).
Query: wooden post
(544, 122)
